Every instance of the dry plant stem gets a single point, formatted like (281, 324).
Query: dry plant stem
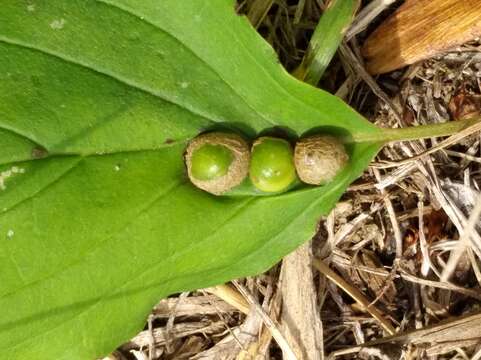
(181, 330)
(366, 15)
(453, 330)
(392, 217)
(116, 355)
(151, 333)
(260, 337)
(205, 305)
(463, 156)
(299, 11)
(169, 325)
(477, 356)
(439, 285)
(355, 294)
(236, 343)
(274, 310)
(426, 264)
(463, 242)
(230, 296)
(474, 264)
(357, 68)
(268, 322)
(258, 11)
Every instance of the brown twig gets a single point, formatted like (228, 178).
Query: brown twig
(355, 294)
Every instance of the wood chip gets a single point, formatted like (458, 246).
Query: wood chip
(181, 330)
(230, 296)
(420, 29)
(300, 313)
(230, 346)
(191, 306)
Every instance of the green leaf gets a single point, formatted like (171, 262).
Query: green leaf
(97, 219)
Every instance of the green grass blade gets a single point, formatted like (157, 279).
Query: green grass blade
(327, 36)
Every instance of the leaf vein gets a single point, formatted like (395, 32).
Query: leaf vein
(20, 134)
(143, 18)
(156, 198)
(133, 279)
(46, 186)
(118, 78)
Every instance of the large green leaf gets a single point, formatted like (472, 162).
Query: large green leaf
(97, 219)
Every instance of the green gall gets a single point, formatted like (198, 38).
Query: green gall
(216, 162)
(272, 165)
(210, 162)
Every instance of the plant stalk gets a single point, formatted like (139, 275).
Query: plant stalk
(325, 41)
(387, 135)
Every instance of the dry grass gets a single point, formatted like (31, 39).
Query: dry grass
(400, 254)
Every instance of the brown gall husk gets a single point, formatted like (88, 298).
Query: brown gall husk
(238, 169)
(319, 158)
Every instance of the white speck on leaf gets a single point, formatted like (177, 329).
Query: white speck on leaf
(58, 24)
(31, 7)
(10, 234)
(17, 170)
(117, 168)
(184, 84)
(4, 175)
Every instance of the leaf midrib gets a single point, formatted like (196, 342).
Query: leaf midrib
(54, 154)
(111, 76)
(135, 85)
